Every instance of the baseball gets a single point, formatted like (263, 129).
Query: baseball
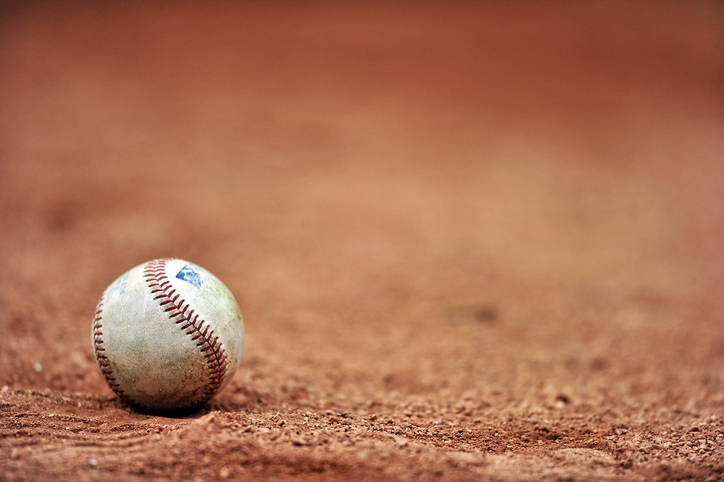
(167, 335)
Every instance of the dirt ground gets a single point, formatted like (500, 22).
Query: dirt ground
(469, 240)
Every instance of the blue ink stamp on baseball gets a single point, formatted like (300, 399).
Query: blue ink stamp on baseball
(190, 275)
(119, 286)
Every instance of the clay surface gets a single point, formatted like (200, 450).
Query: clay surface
(470, 241)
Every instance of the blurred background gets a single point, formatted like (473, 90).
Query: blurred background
(522, 202)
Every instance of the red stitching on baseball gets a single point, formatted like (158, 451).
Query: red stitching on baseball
(155, 274)
(101, 359)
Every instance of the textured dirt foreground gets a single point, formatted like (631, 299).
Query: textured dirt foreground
(469, 241)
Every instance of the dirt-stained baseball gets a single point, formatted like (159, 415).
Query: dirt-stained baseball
(167, 335)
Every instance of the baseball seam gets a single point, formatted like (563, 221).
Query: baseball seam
(101, 357)
(180, 313)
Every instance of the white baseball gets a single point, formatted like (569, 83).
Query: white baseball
(167, 335)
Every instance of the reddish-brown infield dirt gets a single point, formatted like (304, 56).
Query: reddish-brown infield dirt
(470, 241)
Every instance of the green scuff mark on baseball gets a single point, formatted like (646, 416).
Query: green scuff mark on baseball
(217, 294)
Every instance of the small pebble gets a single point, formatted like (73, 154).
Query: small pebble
(38, 367)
